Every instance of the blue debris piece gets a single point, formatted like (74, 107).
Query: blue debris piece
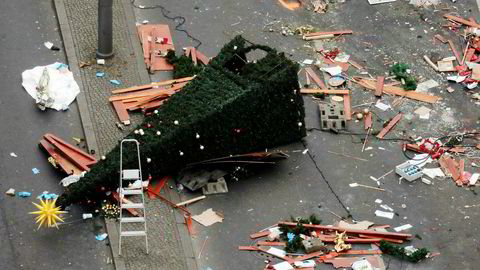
(290, 236)
(35, 171)
(101, 237)
(24, 194)
(48, 196)
(100, 75)
(115, 82)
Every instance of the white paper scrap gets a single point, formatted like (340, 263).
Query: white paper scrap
(277, 252)
(433, 172)
(382, 106)
(307, 263)
(336, 70)
(12, 154)
(378, 201)
(386, 207)
(426, 85)
(474, 178)
(307, 61)
(457, 79)
(422, 111)
(283, 266)
(383, 214)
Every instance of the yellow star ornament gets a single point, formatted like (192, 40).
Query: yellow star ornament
(48, 212)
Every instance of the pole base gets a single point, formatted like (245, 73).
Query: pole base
(104, 55)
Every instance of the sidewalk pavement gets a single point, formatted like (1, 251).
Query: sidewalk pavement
(78, 22)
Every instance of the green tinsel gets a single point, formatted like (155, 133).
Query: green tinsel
(400, 72)
(399, 252)
(183, 65)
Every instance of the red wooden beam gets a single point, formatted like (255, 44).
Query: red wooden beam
(379, 86)
(390, 125)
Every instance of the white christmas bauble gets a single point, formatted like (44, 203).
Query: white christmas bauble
(202, 147)
(175, 122)
(181, 153)
(149, 160)
(159, 133)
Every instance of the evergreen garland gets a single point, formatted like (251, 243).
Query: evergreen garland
(235, 107)
(400, 72)
(183, 65)
(399, 252)
(296, 243)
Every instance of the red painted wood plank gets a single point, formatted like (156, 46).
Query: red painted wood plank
(121, 111)
(390, 125)
(67, 166)
(379, 86)
(315, 78)
(367, 120)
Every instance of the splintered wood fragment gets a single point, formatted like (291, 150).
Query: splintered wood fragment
(379, 86)
(187, 51)
(441, 38)
(355, 64)
(341, 32)
(259, 234)
(469, 54)
(152, 105)
(153, 84)
(323, 91)
(248, 248)
(461, 20)
(272, 244)
(194, 56)
(191, 200)
(390, 125)
(307, 78)
(309, 256)
(397, 241)
(202, 58)
(315, 78)
(121, 112)
(347, 107)
(452, 47)
(427, 59)
(367, 120)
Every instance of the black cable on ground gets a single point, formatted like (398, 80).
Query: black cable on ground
(165, 12)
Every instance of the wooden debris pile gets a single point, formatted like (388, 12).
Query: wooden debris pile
(156, 42)
(144, 97)
(65, 156)
(196, 55)
(331, 244)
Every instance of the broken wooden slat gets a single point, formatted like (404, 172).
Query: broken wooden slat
(81, 159)
(315, 78)
(341, 32)
(153, 105)
(259, 234)
(369, 84)
(204, 59)
(267, 243)
(124, 200)
(194, 56)
(469, 54)
(323, 91)
(461, 20)
(379, 86)
(121, 112)
(343, 262)
(355, 64)
(390, 125)
(353, 231)
(441, 38)
(248, 248)
(188, 50)
(153, 84)
(146, 93)
(347, 107)
(67, 166)
(397, 241)
(427, 59)
(352, 241)
(191, 200)
(159, 32)
(367, 120)
(452, 47)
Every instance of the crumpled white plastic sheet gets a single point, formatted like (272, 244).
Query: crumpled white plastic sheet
(62, 87)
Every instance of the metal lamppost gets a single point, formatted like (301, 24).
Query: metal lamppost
(105, 47)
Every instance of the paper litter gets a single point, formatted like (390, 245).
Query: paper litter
(208, 217)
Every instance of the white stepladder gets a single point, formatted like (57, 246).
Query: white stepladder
(131, 175)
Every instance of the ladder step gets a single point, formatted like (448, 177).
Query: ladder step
(132, 205)
(133, 233)
(131, 174)
(132, 219)
(131, 191)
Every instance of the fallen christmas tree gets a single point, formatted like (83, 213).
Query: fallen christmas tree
(231, 107)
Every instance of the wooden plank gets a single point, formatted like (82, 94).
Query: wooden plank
(367, 122)
(353, 231)
(248, 248)
(132, 211)
(153, 105)
(441, 38)
(379, 86)
(191, 200)
(204, 59)
(397, 241)
(390, 125)
(469, 54)
(194, 56)
(355, 64)
(273, 244)
(81, 159)
(188, 50)
(67, 166)
(153, 84)
(323, 91)
(315, 78)
(347, 107)
(259, 234)
(461, 20)
(309, 256)
(352, 241)
(160, 31)
(121, 112)
(371, 85)
(452, 47)
(145, 93)
(340, 32)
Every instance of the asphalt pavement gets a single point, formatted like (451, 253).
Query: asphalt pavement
(25, 26)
